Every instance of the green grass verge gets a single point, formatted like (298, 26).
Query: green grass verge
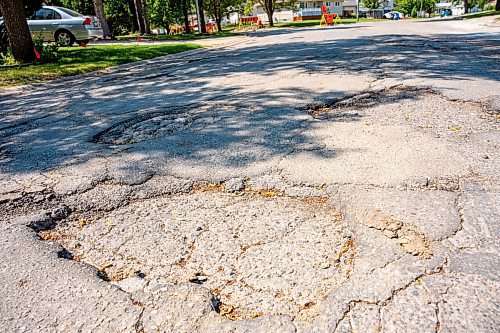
(312, 23)
(481, 14)
(78, 60)
(297, 24)
(227, 32)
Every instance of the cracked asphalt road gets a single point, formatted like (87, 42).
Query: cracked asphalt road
(305, 180)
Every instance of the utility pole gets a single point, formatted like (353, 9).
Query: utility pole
(357, 10)
(198, 16)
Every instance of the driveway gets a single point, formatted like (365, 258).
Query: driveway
(341, 179)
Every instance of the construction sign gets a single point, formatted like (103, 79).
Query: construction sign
(329, 19)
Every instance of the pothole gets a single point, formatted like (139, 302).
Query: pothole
(411, 239)
(392, 136)
(420, 107)
(257, 255)
(150, 124)
(345, 107)
(423, 45)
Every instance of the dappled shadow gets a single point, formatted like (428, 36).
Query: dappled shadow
(287, 30)
(233, 108)
(440, 19)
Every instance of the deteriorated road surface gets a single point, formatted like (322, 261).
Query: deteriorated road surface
(309, 180)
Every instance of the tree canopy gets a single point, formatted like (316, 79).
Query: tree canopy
(406, 6)
(371, 4)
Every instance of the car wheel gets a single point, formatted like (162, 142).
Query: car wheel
(65, 38)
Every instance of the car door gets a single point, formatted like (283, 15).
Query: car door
(53, 21)
(35, 25)
(44, 23)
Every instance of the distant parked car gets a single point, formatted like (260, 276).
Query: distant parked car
(392, 15)
(445, 12)
(64, 26)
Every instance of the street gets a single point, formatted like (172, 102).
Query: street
(341, 179)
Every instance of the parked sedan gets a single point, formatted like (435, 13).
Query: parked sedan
(64, 26)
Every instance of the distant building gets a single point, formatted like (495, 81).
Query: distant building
(456, 9)
(311, 10)
(233, 17)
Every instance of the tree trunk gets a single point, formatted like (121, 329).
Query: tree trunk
(270, 18)
(131, 7)
(466, 7)
(99, 12)
(270, 12)
(202, 17)
(219, 25)
(185, 12)
(140, 18)
(17, 30)
(218, 14)
(145, 15)
(497, 6)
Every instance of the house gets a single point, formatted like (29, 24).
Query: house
(311, 10)
(233, 17)
(350, 7)
(279, 16)
(385, 6)
(456, 9)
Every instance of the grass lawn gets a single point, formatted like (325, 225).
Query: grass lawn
(226, 32)
(78, 60)
(311, 23)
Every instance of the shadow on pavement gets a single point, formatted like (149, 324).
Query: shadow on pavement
(288, 30)
(227, 107)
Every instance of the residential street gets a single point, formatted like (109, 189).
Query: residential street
(341, 179)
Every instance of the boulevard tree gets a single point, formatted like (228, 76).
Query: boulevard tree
(371, 4)
(14, 13)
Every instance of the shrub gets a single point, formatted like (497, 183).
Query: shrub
(7, 59)
(48, 53)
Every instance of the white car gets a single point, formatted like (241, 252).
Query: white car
(392, 15)
(63, 26)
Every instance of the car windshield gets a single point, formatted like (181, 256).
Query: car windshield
(70, 12)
